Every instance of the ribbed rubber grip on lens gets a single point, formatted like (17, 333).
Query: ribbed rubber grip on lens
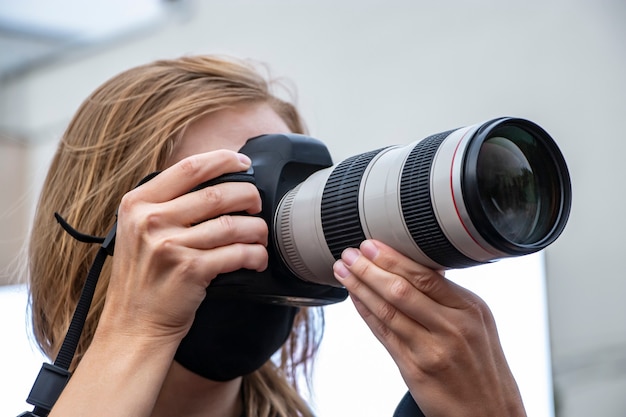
(417, 208)
(288, 244)
(341, 222)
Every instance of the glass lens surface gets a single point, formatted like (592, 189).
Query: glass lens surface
(513, 194)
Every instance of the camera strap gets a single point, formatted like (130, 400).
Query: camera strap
(52, 378)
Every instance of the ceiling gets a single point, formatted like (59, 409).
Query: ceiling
(35, 32)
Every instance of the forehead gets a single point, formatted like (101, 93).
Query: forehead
(228, 129)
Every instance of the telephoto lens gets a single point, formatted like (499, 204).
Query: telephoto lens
(455, 199)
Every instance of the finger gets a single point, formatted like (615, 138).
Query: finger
(427, 281)
(210, 263)
(213, 201)
(222, 231)
(190, 172)
(385, 334)
(397, 332)
(391, 298)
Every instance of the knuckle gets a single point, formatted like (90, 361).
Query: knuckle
(189, 266)
(424, 282)
(361, 268)
(466, 333)
(399, 290)
(390, 263)
(129, 201)
(458, 331)
(227, 223)
(149, 223)
(478, 307)
(190, 166)
(386, 312)
(213, 195)
(461, 333)
(162, 249)
(479, 319)
(436, 360)
(141, 219)
(477, 310)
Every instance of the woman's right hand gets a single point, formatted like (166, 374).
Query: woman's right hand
(171, 243)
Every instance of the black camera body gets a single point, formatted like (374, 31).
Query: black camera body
(279, 163)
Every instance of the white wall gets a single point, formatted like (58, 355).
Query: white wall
(379, 72)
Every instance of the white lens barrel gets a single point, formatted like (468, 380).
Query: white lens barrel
(427, 201)
(380, 204)
(447, 198)
(299, 233)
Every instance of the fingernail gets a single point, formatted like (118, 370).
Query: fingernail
(369, 249)
(349, 256)
(340, 270)
(244, 159)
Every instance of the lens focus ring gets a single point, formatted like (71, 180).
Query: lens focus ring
(417, 208)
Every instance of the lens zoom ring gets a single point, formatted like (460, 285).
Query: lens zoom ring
(417, 208)
(340, 204)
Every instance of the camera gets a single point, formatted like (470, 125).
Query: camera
(455, 199)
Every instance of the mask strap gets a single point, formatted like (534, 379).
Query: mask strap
(52, 378)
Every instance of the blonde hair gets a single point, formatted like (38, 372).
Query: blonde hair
(126, 129)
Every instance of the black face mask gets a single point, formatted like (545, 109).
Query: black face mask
(247, 315)
(234, 337)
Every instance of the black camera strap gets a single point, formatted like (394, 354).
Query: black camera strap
(52, 378)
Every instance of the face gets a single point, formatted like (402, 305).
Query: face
(228, 129)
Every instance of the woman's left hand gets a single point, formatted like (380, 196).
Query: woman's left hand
(442, 336)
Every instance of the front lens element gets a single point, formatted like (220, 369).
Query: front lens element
(519, 191)
(509, 192)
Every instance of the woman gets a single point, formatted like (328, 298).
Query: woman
(188, 118)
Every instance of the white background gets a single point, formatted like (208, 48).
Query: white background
(354, 375)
